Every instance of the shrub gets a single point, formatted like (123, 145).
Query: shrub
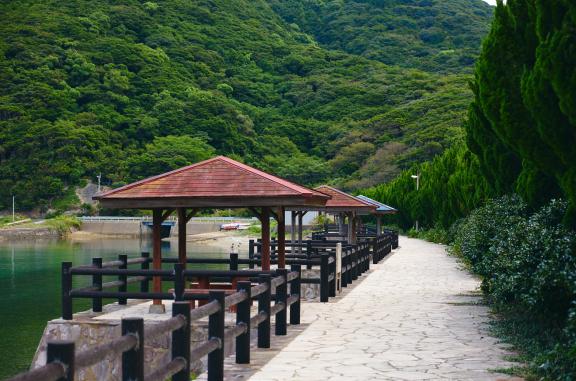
(528, 268)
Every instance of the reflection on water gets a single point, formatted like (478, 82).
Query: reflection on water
(30, 286)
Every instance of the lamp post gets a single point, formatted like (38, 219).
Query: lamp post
(417, 177)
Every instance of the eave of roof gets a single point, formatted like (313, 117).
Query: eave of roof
(381, 208)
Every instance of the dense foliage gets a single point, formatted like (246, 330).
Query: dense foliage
(528, 269)
(522, 124)
(451, 186)
(124, 88)
(432, 35)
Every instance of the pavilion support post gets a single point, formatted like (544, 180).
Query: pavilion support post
(265, 221)
(378, 225)
(280, 218)
(293, 233)
(350, 237)
(182, 236)
(157, 306)
(341, 223)
(353, 226)
(300, 217)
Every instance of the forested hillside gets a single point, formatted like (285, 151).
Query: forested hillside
(506, 200)
(432, 35)
(129, 88)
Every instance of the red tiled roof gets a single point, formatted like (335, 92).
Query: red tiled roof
(343, 200)
(219, 177)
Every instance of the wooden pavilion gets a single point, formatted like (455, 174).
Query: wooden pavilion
(381, 210)
(219, 182)
(341, 204)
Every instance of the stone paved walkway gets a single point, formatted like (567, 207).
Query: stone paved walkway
(414, 316)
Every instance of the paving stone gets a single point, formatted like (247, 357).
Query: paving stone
(415, 316)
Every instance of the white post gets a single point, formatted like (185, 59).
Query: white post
(13, 208)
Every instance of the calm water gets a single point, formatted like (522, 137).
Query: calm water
(30, 287)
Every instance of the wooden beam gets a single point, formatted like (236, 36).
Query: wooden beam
(257, 213)
(157, 305)
(166, 214)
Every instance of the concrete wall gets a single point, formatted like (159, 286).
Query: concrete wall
(135, 228)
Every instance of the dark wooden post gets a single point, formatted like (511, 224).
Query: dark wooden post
(324, 274)
(265, 221)
(97, 284)
(66, 288)
(157, 306)
(181, 339)
(144, 266)
(179, 283)
(62, 352)
(251, 253)
(281, 238)
(281, 297)
(295, 289)
(264, 306)
(133, 359)
(233, 261)
(243, 317)
(123, 278)
(293, 232)
(300, 218)
(182, 236)
(309, 254)
(216, 330)
(378, 226)
(332, 272)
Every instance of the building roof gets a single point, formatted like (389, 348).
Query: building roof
(217, 182)
(380, 207)
(343, 202)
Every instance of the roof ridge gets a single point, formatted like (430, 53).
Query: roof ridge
(291, 186)
(156, 177)
(283, 182)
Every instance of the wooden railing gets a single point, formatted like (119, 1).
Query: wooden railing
(63, 361)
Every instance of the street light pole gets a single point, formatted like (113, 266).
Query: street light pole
(417, 177)
(99, 177)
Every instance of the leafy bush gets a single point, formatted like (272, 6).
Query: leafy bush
(527, 263)
(64, 224)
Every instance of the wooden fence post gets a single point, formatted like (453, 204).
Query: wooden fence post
(181, 339)
(133, 359)
(179, 283)
(66, 288)
(243, 316)
(97, 283)
(145, 266)
(123, 278)
(281, 297)
(324, 274)
(295, 288)
(62, 352)
(216, 331)
(264, 306)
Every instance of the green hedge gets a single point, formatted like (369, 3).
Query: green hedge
(527, 263)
